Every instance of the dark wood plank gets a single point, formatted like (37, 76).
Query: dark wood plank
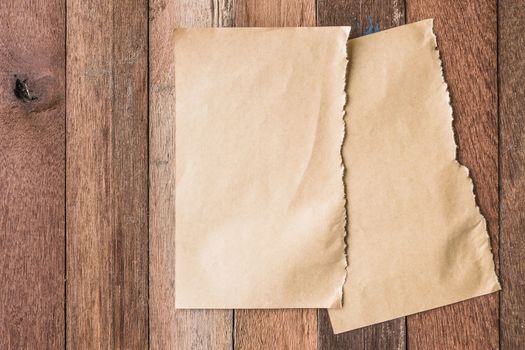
(466, 32)
(275, 329)
(32, 175)
(170, 328)
(386, 335)
(512, 152)
(107, 174)
(365, 17)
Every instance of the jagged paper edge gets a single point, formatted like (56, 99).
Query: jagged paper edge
(486, 237)
(343, 167)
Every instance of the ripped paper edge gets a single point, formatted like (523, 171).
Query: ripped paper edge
(486, 237)
(343, 167)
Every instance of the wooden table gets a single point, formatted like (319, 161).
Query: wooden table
(86, 188)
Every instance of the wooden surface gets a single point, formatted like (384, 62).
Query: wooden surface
(512, 172)
(108, 179)
(170, 328)
(32, 173)
(107, 174)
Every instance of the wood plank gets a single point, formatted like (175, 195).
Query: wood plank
(107, 176)
(274, 13)
(365, 17)
(32, 174)
(170, 328)
(275, 329)
(512, 162)
(386, 335)
(467, 34)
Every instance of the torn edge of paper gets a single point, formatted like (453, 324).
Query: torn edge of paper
(343, 100)
(339, 298)
(461, 166)
(343, 168)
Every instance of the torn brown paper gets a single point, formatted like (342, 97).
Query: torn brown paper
(416, 239)
(260, 208)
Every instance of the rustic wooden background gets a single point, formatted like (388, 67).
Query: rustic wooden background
(86, 189)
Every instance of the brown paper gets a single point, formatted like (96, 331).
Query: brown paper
(260, 218)
(416, 239)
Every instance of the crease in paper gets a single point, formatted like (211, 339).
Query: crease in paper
(260, 206)
(416, 238)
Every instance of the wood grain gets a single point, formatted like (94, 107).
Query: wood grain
(107, 181)
(275, 329)
(365, 17)
(32, 175)
(107, 176)
(170, 328)
(274, 13)
(512, 161)
(467, 34)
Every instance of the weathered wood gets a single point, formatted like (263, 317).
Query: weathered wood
(386, 335)
(107, 176)
(467, 34)
(365, 17)
(170, 328)
(512, 161)
(274, 13)
(275, 329)
(32, 174)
